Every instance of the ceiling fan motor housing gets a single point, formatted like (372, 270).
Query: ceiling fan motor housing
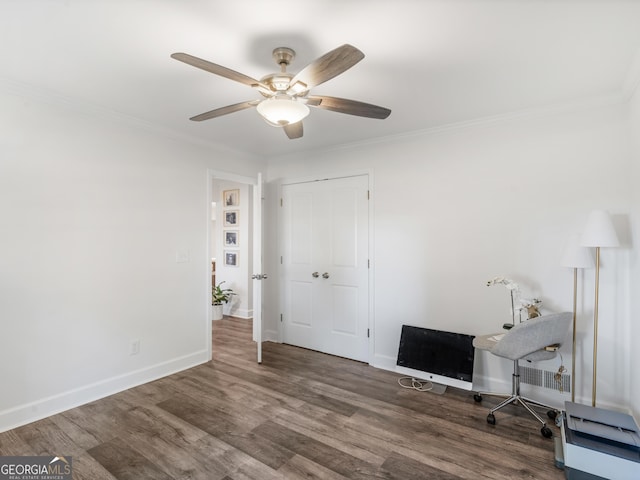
(278, 82)
(283, 55)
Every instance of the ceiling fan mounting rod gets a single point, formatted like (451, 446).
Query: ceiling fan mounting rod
(283, 57)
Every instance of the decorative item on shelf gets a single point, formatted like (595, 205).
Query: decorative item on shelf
(599, 232)
(514, 290)
(220, 296)
(575, 257)
(531, 306)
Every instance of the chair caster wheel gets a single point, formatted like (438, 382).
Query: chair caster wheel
(477, 398)
(552, 414)
(491, 419)
(546, 432)
(558, 421)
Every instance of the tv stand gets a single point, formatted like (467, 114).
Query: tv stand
(438, 388)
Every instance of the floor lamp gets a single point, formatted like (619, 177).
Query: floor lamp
(599, 232)
(575, 257)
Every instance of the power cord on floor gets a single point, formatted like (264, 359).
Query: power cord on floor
(419, 385)
(558, 375)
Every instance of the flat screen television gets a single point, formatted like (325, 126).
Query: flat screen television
(441, 357)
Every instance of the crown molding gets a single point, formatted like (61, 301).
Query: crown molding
(584, 104)
(631, 86)
(56, 99)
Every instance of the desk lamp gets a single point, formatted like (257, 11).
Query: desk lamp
(575, 257)
(599, 232)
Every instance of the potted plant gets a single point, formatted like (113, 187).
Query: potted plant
(219, 296)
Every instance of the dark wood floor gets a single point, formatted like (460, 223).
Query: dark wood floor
(300, 414)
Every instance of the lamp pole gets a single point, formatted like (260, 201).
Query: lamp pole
(573, 352)
(599, 232)
(576, 257)
(595, 330)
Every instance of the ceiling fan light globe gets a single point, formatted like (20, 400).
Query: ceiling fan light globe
(278, 111)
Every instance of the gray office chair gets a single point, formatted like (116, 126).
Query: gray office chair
(534, 340)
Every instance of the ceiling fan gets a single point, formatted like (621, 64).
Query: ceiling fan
(286, 99)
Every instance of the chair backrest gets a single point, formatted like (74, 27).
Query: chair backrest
(533, 335)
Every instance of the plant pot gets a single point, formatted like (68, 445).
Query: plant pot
(216, 312)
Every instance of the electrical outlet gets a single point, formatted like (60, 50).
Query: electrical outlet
(134, 347)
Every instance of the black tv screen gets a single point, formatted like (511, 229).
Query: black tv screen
(446, 354)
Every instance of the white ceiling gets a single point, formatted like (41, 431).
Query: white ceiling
(433, 63)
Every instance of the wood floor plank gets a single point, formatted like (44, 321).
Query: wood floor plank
(85, 467)
(125, 463)
(220, 426)
(301, 468)
(239, 464)
(449, 442)
(94, 423)
(356, 444)
(291, 389)
(45, 438)
(318, 452)
(11, 443)
(405, 468)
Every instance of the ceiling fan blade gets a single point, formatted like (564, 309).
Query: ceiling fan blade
(352, 107)
(313, 102)
(293, 130)
(328, 66)
(219, 70)
(218, 112)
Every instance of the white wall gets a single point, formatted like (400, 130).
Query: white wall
(454, 209)
(634, 260)
(104, 242)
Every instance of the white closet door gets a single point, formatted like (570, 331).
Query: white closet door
(325, 264)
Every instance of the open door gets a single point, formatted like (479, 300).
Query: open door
(258, 276)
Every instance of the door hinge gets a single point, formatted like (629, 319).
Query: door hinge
(280, 201)
(280, 317)
(368, 333)
(368, 195)
(368, 263)
(280, 259)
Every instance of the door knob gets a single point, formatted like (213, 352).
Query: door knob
(325, 275)
(315, 274)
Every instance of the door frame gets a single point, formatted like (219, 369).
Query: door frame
(212, 176)
(333, 175)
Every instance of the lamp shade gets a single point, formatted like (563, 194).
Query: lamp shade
(577, 256)
(599, 231)
(282, 110)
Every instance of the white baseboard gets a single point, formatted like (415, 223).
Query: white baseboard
(30, 412)
(239, 312)
(383, 362)
(270, 336)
